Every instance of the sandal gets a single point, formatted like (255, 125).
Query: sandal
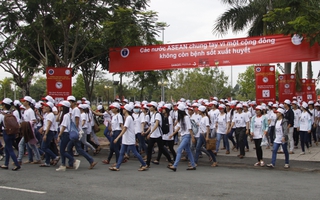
(4, 167)
(215, 164)
(257, 164)
(55, 162)
(143, 168)
(155, 162)
(172, 168)
(105, 162)
(114, 169)
(44, 165)
(16, 168)
(191, 168)
(92, 165)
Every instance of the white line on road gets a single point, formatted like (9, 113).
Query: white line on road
(22, 190)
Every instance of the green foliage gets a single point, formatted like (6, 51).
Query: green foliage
(78, 88)
(246, 81)
(38, 88)
(6, 89)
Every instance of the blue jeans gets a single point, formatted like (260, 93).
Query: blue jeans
(225, 141)
(230, 137)
(64, 140)
(107, 133)
(114, 148)
(275, 151)
(39, 138)
(22, 145)
(45, 146)
(142, 142)
(9, 140)
(304, 139)
(77, 145)
(201, 141)
(125, 148)
(184, 144)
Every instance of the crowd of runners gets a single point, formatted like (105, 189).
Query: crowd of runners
(141, 127)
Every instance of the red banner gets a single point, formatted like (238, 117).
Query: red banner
(265, 84)
(241, 51)
(309, 89)
(59, 82)
(287, 86)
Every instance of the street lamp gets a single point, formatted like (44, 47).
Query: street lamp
(162, 84)
(107, 88)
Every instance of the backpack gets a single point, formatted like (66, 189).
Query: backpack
(10, 124)
(73, 132)
(165, 127)
(194, 126)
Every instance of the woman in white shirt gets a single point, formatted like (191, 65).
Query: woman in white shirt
(258, 128)
(116, 125)
(64, 120)
(128, 139)
(155, 134)
(184, 124)
(271, 121)
(297, 113)
(304, 129)
(139, 124)
(221, 127)
(281, 138)
(48, 135)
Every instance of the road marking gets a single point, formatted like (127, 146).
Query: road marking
(22, 190)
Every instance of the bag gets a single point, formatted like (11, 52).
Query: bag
(264, 141)
(194, 126)
(211, 144)
(165, 127)
(73, 132)
(10, 124)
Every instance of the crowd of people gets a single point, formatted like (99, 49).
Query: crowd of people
(140, 127)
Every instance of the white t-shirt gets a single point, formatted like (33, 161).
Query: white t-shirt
(197, 119)
(187, 126)
(116, 121)
(147, 121)
(203, 124)
(297, 114)
(49, 117)
(75, 112)
(129, 137)
(138, 120)
(154, 117)
(106, 118)
(29, 115)
(16, 114)
(257, 124)
(278, 132)
(213, 117)
(166, 136)
(304, 121)
(240, 119)
(66, 122)
(222, 123)
(272, 117)
(84, 120)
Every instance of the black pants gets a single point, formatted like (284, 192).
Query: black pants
(170, 144)
(257, 142)
(271, 134)
(159, 142)
(296, 136)
(240, 136)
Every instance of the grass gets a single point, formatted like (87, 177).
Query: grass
(100, 133)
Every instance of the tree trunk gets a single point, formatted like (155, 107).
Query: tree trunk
(287, 68)
(298, 73)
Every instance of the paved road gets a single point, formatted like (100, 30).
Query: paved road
(232, 179)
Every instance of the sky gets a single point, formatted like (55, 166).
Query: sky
(191, 21)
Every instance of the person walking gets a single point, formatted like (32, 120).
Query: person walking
(259, 128)
(305, 125)
(281, 138)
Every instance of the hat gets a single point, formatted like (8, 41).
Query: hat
(222, 106)
(304, 105)
(137, 105)
(294, 102)
(144, 102)
(145, 106)
(181, 107)
(26, 98)
(275, 105)
(280, 110)
(245, 105)
(259, 108)
(316, 104)
(48, 104)
(281, 106)
(190, 108)
(48, 98)
(183, 100)
(83, 99)
(23, 107)
(99, 107)
(125, 100)
(287, 101)
(82, 106)
(195, 105)
(37, 106)
(79, 102)
(6, 101)
(166, 106)
(64, 103)
(153, 103)
(71, 98)
(128, 107)
(16, 103)
(270, 103)
(87, 102)
(310, 102)
(202, 108)
(115, 105)
(239, 105)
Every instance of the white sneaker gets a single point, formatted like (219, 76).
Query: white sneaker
(1, 157)
(76, 164)
(61, 169)
(302, 153)
(286, 166)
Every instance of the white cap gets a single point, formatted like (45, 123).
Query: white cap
(182, 107)
(281, 106)
(202, 108)
(87, 102)
(27, 98)
(16, 103)
(48, 98)
(64, 103)
(82, 106)
(183, 100)
(128, 107)
(222, 106)
(280, 110)
(167, 106)
(275, 105)
(287, 101)
(245, 105)
(137, 105)
(270, 103)
(304, 105)
(6, 101)
(125, 100)
(99, 107)
(71, 98)
(153, 103)
(310, 102)
(239, 105)
(48, 104)
(316, 104)
(115, 105)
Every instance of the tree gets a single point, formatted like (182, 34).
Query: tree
(6, 90)
(78, 88)
(38, 88)
(246, 81)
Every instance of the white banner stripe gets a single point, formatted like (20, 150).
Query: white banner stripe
(23, 190)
